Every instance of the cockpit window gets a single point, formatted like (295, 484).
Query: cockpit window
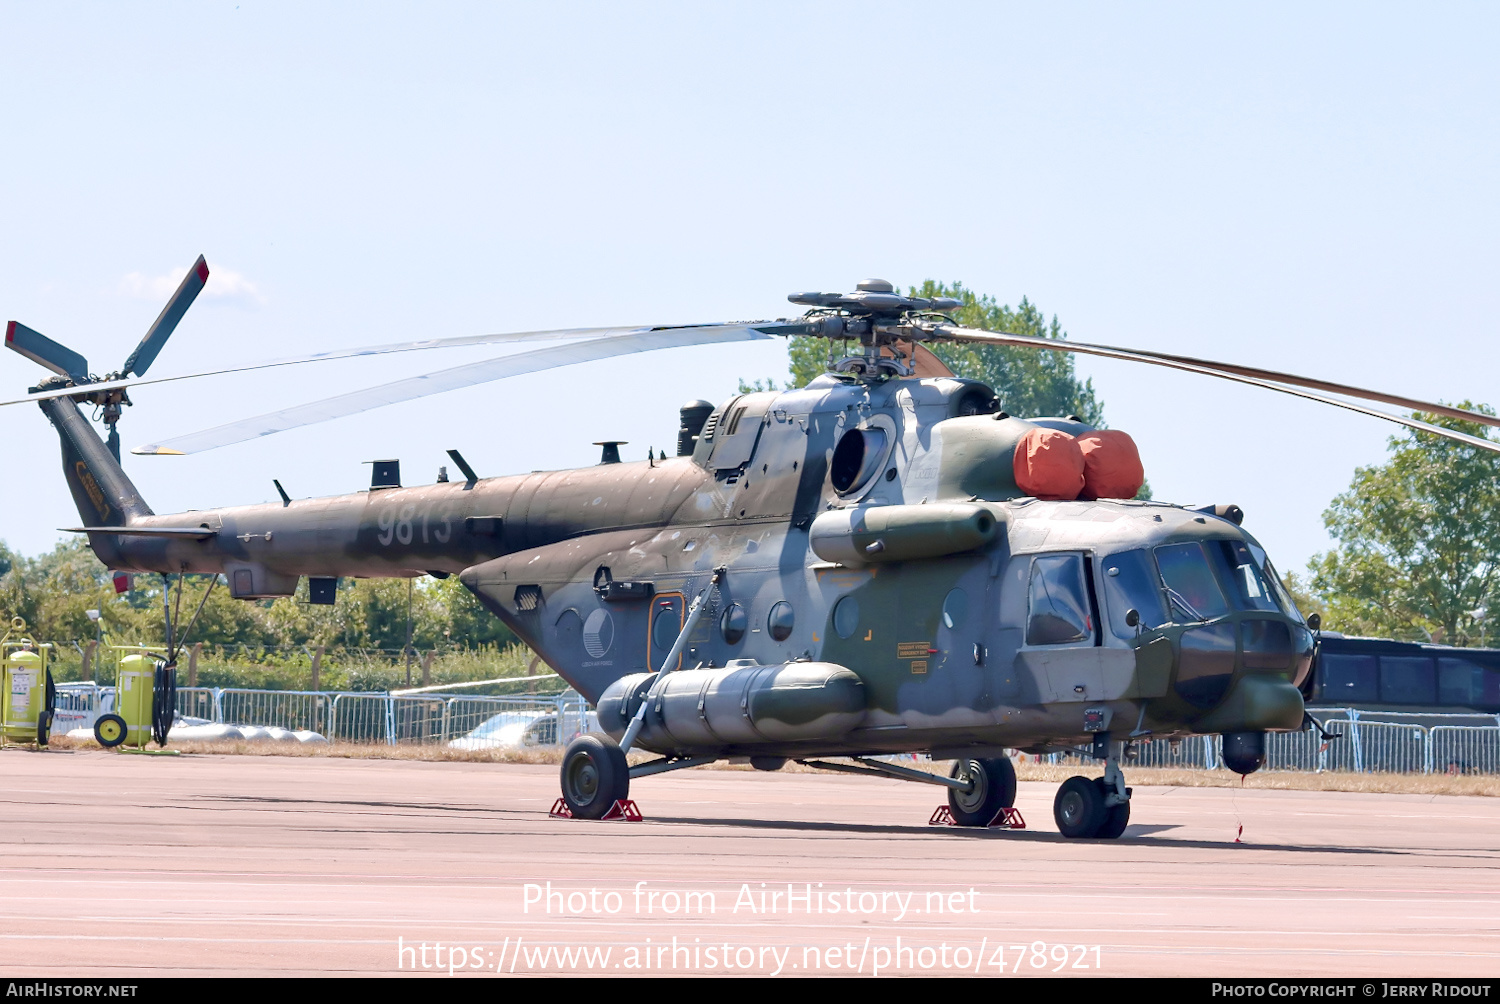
(1130, 583)
(1059, 602)
(1191, 588)
(1278, 589)
(1248, 587)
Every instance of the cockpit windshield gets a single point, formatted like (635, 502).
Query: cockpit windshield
(1248, 586)
(1191, 587)
(1278, 589)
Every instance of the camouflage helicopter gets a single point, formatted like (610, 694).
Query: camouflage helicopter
(881, 562)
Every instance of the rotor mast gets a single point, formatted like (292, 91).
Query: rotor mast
(878, 317)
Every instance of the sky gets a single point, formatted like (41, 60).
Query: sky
(1301, 187)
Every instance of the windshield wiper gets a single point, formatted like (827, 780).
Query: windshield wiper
(1182, 602)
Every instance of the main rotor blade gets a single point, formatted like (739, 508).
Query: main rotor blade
(768, 327)
(40, 349)
(642, 340)
(166, 322)
(1205, 369)
(1272, 376)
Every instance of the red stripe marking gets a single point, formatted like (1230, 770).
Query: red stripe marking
(202, 270)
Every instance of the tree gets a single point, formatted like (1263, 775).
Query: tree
(1029, 382)
(1419, 544)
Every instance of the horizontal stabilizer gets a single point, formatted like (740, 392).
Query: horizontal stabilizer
(199, 532)
(40, 349)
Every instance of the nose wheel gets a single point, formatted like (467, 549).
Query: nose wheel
(1094, 808)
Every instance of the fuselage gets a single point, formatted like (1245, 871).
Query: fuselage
(1158, 618)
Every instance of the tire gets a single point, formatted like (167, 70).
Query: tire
(594, 776)
(43, 727)
(1079, 808)
(1116, 817)
(994, 789)
(109, 731)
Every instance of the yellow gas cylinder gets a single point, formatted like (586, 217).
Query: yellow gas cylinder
(134, 689)
(24, 694)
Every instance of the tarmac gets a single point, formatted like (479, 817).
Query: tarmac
(124, 866)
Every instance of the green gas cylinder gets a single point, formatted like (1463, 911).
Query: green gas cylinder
(134, 690)
(24, 694)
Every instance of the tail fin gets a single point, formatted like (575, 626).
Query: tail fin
(101, 490)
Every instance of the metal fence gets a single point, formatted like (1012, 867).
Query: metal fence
(1419, 743)
(381, 718)
(1360, 745)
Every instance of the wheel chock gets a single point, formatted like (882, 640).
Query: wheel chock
(624, 808)
(1008, 818)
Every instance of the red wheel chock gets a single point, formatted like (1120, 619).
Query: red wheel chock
(1008, 818)
(624, 808)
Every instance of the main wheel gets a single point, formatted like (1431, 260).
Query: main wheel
(994, 789)
(595, 775)
(109, 731)
(1079, 808)
(1116, 817)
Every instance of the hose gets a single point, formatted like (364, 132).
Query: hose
(163, 701)
(44, 720)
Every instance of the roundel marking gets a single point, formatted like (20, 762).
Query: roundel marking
(598, 633)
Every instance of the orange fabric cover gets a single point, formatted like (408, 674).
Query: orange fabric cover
(1111, 465)
(1049, 465)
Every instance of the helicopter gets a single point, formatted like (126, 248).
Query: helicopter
(881, 562)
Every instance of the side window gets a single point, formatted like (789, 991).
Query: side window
(1130, 583)
(1058, 605)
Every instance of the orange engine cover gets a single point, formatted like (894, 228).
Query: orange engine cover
(1049, 465)
(1111, 465)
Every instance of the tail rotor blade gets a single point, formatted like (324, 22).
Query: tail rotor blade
(166, 322)
(40, 349)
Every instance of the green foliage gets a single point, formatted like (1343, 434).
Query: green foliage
(1029, 382)
(809, 358)
(1419, 547)
(756, 386)
(259, 643)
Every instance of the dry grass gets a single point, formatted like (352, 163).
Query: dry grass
(1382, 783)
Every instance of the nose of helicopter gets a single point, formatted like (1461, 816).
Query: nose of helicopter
(1245, 672)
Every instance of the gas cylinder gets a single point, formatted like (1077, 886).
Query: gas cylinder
(24, 693)
(133, 697)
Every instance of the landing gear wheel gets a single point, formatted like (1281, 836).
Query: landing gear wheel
(994, 789)
(595, 775)
(1115, 816)
(1079, 808)
(109, 731)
